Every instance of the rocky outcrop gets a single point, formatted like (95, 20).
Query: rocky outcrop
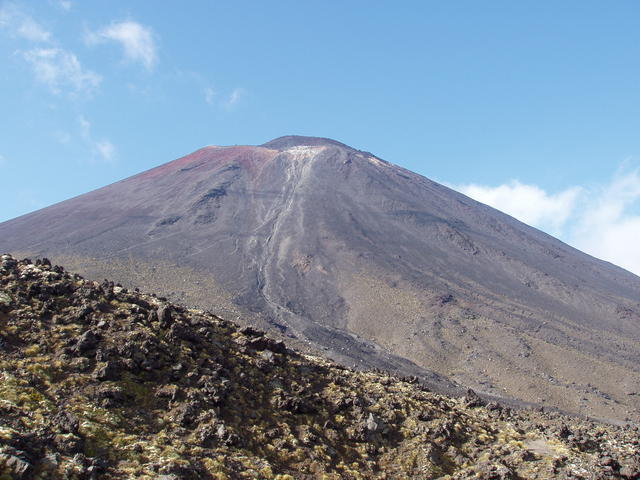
(102, 382)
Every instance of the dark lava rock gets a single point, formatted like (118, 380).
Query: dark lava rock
(251, 332)
(473, 400)
(180, 331)
(109, 370)
(67, 421)
(164, 315)
(266, 343)
(88, 341)
(111, 396)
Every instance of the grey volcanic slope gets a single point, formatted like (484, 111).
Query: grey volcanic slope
(373, 264)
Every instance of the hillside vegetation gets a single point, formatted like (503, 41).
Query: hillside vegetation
(101, 382)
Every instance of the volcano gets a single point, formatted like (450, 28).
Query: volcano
(369, 263)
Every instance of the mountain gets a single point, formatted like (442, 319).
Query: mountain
(369, 263)
(102, 382)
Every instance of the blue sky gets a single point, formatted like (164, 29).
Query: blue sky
(532, 107)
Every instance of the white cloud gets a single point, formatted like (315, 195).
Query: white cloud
(57, 68)
(60, 69)
(3, 160)
(105, 149)
(31, 30)
(85, 127)
(603, 221)
(209, 95)
(101, 149)
(136, 40)
(609, 226)
(528, 203)
(22, 25)
(235, 97)
(65, 4)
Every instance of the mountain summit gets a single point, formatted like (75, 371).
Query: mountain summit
(371, 263)
(283, 143)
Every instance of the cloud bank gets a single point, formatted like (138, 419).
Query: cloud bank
(609, 226)
(528, 203)
(603, 221)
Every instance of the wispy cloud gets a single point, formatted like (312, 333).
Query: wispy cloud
(137, 41)
(3, 160)
(209, 95)
(106, 150)
(85, 127)
(235, 97)
(603, 221)
(221, 98)
(19, 24)
(65, 4)
(33, 31)
(61, 70)
(102, 149)
(57, 68)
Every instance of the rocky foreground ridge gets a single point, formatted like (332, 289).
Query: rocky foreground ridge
(101, 382)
